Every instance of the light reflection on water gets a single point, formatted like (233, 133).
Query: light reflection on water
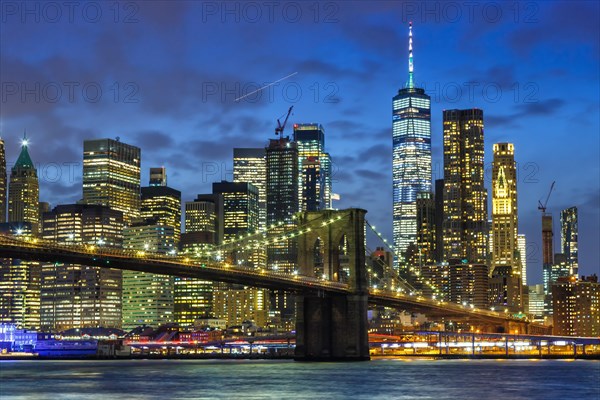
(267, 379)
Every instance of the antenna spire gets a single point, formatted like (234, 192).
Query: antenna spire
(410, 84)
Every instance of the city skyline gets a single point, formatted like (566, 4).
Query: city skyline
(160, 138)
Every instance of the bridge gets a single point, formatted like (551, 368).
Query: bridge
(331, 309)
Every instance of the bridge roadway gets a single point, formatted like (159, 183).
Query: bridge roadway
(176, 265)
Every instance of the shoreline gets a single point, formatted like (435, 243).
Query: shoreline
(291, 357)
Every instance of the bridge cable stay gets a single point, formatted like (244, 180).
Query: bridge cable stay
(415, 274)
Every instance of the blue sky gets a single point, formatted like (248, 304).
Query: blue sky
(166, 76)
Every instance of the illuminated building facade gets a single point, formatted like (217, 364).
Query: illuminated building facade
(506, 283)
(314, 168)
(282, 205)
(426, 235)
(24, 191)
(147, 297)
(203, 229)
(522, 244)
(536, 302)
(240, 207)
(162, 205)
(569, 237)
(465, 197)
(77, 296)
(282, 201)
(576, 305)
(250, 165)
(411, 160)
(19, 284)
(3, 183)
(111, 176)
(240, 304)
(468, 284)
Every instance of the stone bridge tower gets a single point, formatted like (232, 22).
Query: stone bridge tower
(329, 326)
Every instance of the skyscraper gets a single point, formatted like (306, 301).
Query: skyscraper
(569, 237)
(523, 257)
(78, 296)
(250, 165)
(147, 297)
(203, 230)
(282, 205)
(411, 162)
(24, 191)
(282, 201)
(576, 305)
(111, 176)
(504, 208)
(162, 204)
(465, 196)
(3, 183)
(426, 235)
(314, 168)
(240, 207)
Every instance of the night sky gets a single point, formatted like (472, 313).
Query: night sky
(166, 77)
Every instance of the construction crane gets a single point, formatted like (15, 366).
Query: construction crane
(543, 206)
(281, 127)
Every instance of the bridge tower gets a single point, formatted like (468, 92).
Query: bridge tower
(332, 327)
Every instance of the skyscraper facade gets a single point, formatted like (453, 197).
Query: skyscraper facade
(426, 235)
(504, 208)
(111, 176)
(162, 205)
(240, 207)
(411, 160)
(3, 183)
(24, 191)
(147, 297)
(78, 296)
(465, 197)
(523, 257)
(250, 165)
(314, 168)
(569, 237)
(282, 201)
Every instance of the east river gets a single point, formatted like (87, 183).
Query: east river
(266, 379)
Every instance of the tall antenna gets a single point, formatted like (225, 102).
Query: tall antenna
(410, 84)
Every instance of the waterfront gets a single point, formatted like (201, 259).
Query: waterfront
(267, 379)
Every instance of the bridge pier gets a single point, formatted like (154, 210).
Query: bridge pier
(332, 328)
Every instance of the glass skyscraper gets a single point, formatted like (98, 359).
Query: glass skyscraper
(314, 168)
(569, 237)
(411, 168)
(250, 165)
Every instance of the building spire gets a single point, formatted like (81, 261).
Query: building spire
(410, 84)
(24, 142)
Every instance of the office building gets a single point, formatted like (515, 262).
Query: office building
(162, 205)
(465, 197)
(576, 305)
(78, 296)
(569, 238)
(250, 165)
(426, 235)
(536, 302)
(506, 280)
(411, 160)
(3, 183)
(439, 220)
(468, 284)
(314, 168)
(19, 284)
(193, 298)
(522, 244)
(24, 191)
(147, 297)
(111, 176)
